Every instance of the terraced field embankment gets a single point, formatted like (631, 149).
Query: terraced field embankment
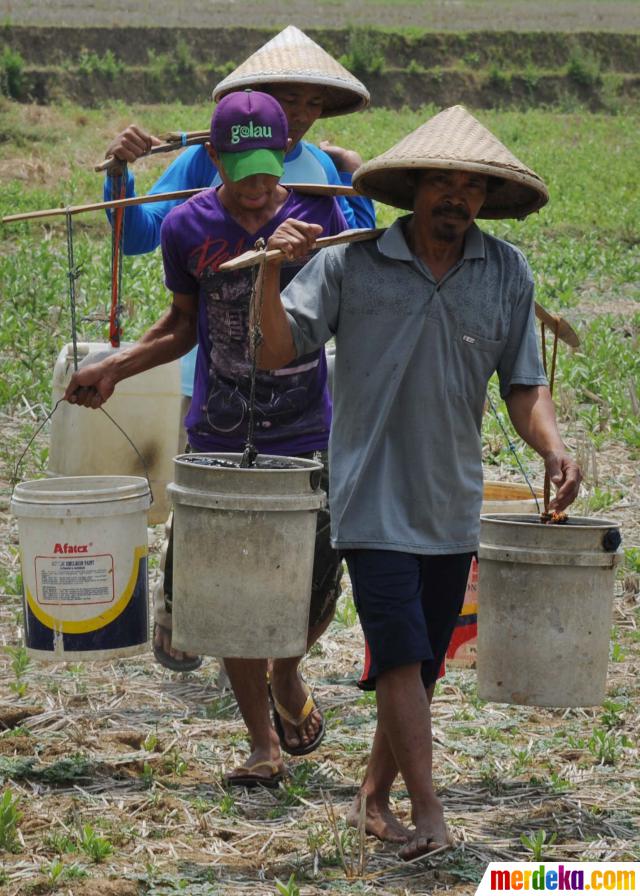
(483, 69)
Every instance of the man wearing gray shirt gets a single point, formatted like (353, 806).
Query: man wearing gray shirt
(422, 317)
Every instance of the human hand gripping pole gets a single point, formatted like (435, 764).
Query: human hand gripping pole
(292, 239)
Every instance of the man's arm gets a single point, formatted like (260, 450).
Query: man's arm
(295, 239)
(533, 416)
(169, 338)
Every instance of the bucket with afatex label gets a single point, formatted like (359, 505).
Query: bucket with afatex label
(83, 547)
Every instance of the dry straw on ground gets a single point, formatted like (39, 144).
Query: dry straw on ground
(138, 754)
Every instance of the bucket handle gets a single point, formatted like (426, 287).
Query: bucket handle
(14, 481)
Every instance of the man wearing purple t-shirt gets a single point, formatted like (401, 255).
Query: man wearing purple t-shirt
(293, 408)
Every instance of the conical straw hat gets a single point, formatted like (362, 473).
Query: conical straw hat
(453, 139)
(291, 56)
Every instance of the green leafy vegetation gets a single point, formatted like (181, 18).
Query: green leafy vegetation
(364, 55)
(536, 842)
(9, 821)
(584, 68)
(107, 65)
(19, 664)
(96, 847)
(11, 72)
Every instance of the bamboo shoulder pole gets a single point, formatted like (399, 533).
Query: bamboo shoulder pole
(251, 258)
(316, 189)
(171, 145)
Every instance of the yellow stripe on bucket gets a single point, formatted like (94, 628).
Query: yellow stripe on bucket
(81, 627)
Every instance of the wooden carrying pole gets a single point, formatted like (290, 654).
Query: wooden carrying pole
(174, 141)
(315, 189)
(251, 258)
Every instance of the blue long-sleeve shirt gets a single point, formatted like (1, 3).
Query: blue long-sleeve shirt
(306, 163)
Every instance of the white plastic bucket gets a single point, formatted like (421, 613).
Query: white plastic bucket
(148, 407)
(497, 497)
(83, 547)
(545, 615)
(243, 556)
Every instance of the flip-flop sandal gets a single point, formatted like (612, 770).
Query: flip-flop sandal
(280, 713)
(245, 776)
(170, 662)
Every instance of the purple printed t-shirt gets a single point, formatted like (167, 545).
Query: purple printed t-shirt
(293, 408)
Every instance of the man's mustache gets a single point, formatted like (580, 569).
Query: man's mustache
(454, 211)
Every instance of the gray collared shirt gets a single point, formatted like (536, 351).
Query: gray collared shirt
(413, 359)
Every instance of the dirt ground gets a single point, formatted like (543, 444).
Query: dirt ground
(138, 753)
(434, 15)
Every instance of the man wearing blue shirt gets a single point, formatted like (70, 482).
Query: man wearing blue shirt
(308, 84)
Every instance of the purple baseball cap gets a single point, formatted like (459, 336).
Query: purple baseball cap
(249, 132)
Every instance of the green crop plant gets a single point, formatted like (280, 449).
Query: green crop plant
(74, 872)
(291, 888)
(53, 872)
(175, 763)
(227, 805)
(93, 845)
(611, 716)
(296, 786)
(150, 742)
(346, 614)
(222, 707)
(148, 776)
(20, 662)
(607, 746)
(536, 842)
(61, 843)
(632, 559)
(9, 820)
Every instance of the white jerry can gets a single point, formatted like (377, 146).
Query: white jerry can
(148, 407)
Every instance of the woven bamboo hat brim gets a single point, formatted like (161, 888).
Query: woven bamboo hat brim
(453, 139)
(291, 56)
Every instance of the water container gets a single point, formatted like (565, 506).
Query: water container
(243, 553)
(545, 615)
(497, 497)
(84, 442)
(83, 549)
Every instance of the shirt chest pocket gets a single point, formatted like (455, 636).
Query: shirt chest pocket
(472, 361)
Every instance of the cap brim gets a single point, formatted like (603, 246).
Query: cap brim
(238, 165)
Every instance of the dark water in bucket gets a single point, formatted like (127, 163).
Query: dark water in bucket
(260, 463)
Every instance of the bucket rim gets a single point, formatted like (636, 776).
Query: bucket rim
(301, 463)
(533, 519)
(56, 490)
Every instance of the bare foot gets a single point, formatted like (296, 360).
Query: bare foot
(162, 640)
(289, 691)
(380, 821)
(423, 842)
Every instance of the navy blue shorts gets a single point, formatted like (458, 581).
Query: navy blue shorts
(408, 605)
